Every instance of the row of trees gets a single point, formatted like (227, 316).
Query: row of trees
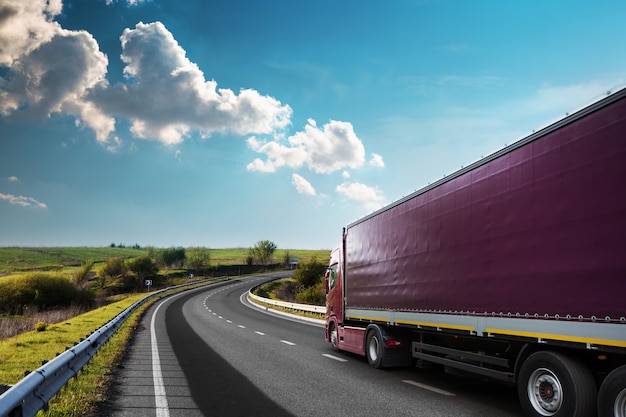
(196, 259)
(51, 290)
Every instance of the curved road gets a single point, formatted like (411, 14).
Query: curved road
(208, 353)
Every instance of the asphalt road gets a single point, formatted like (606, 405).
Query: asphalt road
(207, 353)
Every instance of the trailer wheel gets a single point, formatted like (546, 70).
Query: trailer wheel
(554, 385)
(374, 348)
(612, 396)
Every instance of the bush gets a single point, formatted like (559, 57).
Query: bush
(310, 273)
(40, 290)
(315, 295)
(41, 326)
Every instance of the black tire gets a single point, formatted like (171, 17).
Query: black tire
(612, 396)
(332, 336)
(374, 348)
(554, 385)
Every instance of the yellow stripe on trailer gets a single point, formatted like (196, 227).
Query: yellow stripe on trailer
(564, 338)
(437, 325)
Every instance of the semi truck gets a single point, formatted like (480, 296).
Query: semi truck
(512, 268)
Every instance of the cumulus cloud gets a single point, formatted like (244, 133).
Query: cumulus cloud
(13, 178)
(165, 95)
(302, 185)
(371, 197)
(26, 25)
(20, 200)
(50, 69)
(332, 147)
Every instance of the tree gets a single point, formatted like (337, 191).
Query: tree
(198, 259)
(310, 279)
(262, 252)
(172, 256)
(287, 258)
(112, 268)
(143, 267)
(310, 273)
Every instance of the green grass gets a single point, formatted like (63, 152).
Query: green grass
(27, 350)
(13, 259)
(237, 256)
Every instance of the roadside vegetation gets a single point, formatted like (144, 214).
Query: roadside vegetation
(305, 287)
(50, 298)
(50, 285)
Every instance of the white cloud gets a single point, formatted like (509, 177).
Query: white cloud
(324, 150)
(25, 26)
(377, 161)
(302, 185)
(167, 96)
(371, 197)
(20, 200)
(51, 69)
(13, 178)
(128, 2)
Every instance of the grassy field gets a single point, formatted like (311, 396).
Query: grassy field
(16, 260)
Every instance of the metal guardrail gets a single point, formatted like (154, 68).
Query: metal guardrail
(33, 392)
(293, 306)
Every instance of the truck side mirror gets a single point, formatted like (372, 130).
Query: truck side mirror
(326, 276)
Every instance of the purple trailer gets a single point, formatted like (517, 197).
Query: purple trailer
(512, 268)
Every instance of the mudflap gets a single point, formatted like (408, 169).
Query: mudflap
(396, 347)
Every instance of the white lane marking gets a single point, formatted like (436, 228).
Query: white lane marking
(429, 388)
(336, 358)
(260, 333)
(287, 342)
(229, 321)
(162, 408)
(241, 326)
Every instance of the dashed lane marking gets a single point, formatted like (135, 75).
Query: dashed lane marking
(335, 358)
(287, 342)
(429, 388)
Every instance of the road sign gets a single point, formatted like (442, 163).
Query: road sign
(148, 282)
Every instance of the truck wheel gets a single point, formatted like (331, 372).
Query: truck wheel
(332, 336)
(612, 396)
(374, 348)
(554, 385)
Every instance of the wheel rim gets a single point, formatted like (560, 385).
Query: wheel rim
(373, 348)
(545, 392)
(620, 404)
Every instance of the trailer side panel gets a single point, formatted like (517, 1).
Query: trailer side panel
(538, 230)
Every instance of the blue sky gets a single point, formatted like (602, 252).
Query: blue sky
(222, 123)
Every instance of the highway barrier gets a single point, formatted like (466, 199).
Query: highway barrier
(293, 306)
(33, 392)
